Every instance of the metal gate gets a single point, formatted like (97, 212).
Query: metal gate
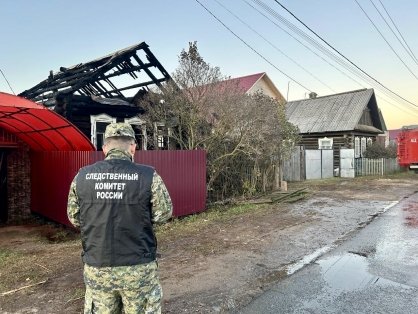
(347, 163)
(319, 163)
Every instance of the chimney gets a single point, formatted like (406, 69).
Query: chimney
(312, 95)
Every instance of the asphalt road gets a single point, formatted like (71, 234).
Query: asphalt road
(374, 271)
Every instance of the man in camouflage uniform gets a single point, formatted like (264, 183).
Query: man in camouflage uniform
(115, 203)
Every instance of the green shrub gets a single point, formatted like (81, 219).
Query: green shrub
(377, 150)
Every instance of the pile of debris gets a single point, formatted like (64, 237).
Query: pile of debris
(282, 197)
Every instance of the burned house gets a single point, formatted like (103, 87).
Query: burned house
(108, 89)
(53, 129)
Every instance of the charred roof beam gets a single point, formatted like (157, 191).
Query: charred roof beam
(93, 78)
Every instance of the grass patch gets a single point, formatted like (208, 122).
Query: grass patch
(193, 223)
(56, 235)
(7, 260)
(18, 269)
(7, 256)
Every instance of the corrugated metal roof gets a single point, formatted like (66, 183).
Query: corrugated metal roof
(339, 112)
(245, 82)
(42, 129)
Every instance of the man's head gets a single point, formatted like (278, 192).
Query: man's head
(120, 136)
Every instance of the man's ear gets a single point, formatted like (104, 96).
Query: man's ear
(105, 150)
(132, 148)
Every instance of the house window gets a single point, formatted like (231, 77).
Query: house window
(162, 136)
(357, 147)
(140, 130)
(98, 127)
(325, 143)
(369, 141)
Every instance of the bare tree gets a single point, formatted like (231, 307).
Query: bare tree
(238, 131)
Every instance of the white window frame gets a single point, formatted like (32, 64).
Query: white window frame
(141, 123)
(99, 118)
(325, 143)
(157, 137)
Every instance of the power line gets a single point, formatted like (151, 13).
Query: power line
(275, 47)
(388, 92)
(394, 24)
(406, 110)
(384, 38)
(312, 41)
(7, 82)
(254, 50)
(317, 45)
(307, 38)
(393, 32)
(345, 58)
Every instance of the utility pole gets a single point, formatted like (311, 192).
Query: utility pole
(288, 86)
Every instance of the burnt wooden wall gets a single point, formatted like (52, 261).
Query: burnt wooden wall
(78, 109)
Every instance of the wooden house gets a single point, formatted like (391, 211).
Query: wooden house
(93, 94)
(346, 120)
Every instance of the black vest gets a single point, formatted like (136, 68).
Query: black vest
(115, 213)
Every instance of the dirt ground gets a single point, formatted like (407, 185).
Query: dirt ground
(210, 263)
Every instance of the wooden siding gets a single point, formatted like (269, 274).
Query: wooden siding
(294, 166)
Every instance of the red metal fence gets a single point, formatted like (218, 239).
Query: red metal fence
(184, 173)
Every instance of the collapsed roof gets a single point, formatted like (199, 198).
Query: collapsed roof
(98, 77)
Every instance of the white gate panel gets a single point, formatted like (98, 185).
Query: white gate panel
(313, 164)
(347, 163)
(327, 163)
(319, 163)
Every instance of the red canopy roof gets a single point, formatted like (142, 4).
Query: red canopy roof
(39, 127)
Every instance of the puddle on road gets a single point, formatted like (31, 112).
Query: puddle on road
(350, 272)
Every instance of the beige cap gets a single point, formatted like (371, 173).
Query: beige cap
(119, 129)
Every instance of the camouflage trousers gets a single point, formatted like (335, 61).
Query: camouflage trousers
(134, 289)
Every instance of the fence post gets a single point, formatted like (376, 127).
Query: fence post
(382, 161)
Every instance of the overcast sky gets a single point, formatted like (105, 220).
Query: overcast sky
(39, 36)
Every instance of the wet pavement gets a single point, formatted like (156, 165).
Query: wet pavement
(373, 271)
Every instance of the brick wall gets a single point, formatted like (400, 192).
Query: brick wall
(18, 184)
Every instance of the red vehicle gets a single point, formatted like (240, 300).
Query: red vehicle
(408, 148)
